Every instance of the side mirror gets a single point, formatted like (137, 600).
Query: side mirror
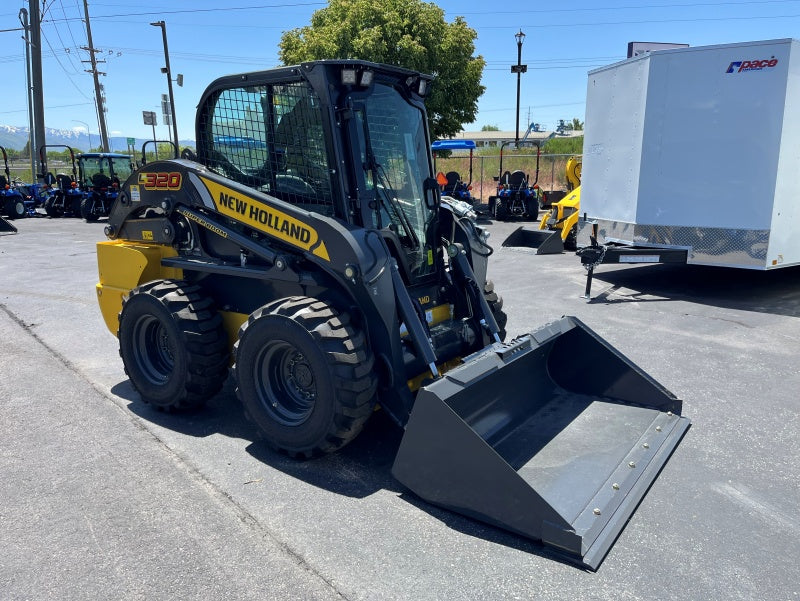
(431, 188)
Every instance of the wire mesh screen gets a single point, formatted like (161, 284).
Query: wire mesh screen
(271, 138)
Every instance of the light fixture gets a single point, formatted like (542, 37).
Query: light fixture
(348, 76)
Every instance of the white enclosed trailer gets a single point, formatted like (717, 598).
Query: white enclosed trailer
(693, 155)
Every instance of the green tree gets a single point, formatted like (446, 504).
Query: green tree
(407, 33)
(576, 124)
(490, 128)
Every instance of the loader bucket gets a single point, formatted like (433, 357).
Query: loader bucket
(555, 436)
(6, 227)
(546, 242)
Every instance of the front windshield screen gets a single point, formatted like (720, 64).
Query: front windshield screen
(398, 167)
(103, 171)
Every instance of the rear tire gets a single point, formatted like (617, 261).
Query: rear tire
(532, 208)
(87, 213)
(500, 212)
(304, 375)
(172, 344)
(52, 207)
(14, 207)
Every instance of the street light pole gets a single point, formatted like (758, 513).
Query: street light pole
(519, 69)
(88, 133)
(168, 72)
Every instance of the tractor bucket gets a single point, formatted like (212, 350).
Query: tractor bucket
(546, 242)
(6, 227)
(555, 436)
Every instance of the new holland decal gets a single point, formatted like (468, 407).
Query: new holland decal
(266, 219)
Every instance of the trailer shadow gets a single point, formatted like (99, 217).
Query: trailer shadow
(776, 291)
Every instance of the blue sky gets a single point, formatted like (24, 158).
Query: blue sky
(212, 38)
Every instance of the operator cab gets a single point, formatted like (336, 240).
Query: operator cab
(344, 139)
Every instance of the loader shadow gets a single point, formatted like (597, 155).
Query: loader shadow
(776, 292)
(489, 533)
(221, 415)
(359, 470)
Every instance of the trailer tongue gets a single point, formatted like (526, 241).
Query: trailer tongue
(555, 436)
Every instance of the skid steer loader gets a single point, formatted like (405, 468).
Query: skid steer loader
(307, 246)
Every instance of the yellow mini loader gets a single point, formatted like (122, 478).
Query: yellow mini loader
(307, 247)
(558, 229)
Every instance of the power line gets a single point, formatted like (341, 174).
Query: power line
(208, 10)
(642, 22)
(69, 77)
(55, 106)
(631, 7)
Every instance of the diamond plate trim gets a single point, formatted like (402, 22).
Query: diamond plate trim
(706, 245)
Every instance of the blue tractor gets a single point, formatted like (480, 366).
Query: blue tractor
(517, 196)
(451, 183)
(100, 175)
(65, 197)
(12, 202)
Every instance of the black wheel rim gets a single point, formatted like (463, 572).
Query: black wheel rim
(153, 349)
(285, 383)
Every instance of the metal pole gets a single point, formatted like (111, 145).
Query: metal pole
(168, 72)
(519, 77)
(38, 137)
(23, 17)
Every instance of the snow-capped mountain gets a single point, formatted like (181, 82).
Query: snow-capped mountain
(16, 137)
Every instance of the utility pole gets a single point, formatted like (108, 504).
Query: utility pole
(101, 111)
(167, 70)
(23, 18)
(37, 135)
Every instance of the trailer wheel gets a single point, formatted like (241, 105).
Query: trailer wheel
(173, 344)
(304, 375)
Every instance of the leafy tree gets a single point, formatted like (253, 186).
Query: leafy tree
(576, 124)
(490, 128)
(407, 33)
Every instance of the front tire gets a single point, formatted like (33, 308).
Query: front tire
(304, 375)
(87, 212)
(172, 344)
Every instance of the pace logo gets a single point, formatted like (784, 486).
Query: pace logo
(757, 65)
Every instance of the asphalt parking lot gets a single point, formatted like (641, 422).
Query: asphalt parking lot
(102, 497)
